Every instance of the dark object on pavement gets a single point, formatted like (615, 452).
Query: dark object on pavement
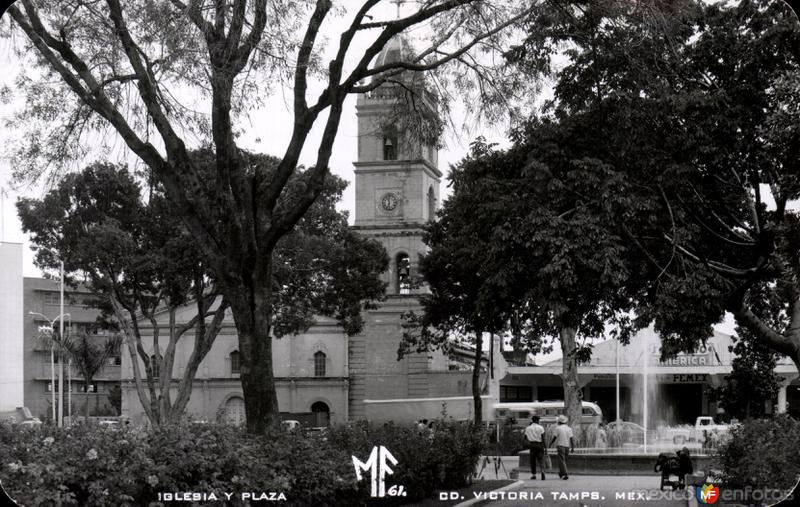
(671, 464)
(674, 464)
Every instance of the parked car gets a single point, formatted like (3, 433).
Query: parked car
(290, 425)
(318, 430)
(704, 429)
(20, 417)
(626, 431)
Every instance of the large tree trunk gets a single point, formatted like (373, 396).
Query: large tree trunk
(251, 310)
(476, 377)
(787, 343)
(572, 389)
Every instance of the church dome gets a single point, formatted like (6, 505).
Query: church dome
(398, 49)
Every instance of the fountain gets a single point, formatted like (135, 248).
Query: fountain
(627, 452)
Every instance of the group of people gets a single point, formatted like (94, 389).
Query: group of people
(563, 438)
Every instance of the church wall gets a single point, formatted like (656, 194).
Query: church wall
(450, 383)
(293, 362)
(209, 397)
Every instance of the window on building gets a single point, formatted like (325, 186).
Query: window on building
(115, 361)
(92, 388)
(236, 365)
(319, 364)
(516, 393)
(431, 203)
(53, 298)
(155, 366)
(403, 274)
(390, 144)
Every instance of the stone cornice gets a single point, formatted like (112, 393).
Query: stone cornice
(379, 166)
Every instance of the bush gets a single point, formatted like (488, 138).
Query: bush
(512, 439)
(443, 458)
(762, 453)
(92, 465)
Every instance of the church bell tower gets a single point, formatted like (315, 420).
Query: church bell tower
(397, 192)
(396, 173)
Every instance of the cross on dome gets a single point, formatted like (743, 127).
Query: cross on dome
(398, 3)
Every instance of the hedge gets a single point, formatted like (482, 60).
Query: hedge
(92, 465)
(761, 453)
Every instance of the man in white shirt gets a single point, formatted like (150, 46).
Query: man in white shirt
(535, 436)
(565, 442)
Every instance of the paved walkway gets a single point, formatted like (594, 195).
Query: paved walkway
(587, 491)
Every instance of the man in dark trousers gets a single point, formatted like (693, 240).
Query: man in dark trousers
(535, 436)
(565, 442)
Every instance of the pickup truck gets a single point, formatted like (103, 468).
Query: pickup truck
(704, 426)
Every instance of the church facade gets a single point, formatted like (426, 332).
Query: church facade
(323, 376)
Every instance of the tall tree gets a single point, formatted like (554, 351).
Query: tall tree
(138, 256)
(521, 247)
(700, 122)
(139, 260)
(562, 272)
(105, 66)
(455, 272)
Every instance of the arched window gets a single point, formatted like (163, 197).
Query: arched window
(390, 144)
(236, 364)
(154, 366)
(431, 203)
(322, 414)
(319, 364)
(403, 274)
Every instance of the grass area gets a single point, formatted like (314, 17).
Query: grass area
(465, 493)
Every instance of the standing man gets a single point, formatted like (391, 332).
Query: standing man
(535, 435)
(565, 442)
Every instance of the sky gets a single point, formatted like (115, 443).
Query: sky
(266, 130)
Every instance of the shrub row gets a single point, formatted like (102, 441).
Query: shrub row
(762, 453)
(91, 465)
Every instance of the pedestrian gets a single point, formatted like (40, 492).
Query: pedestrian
(564, 440)
(685, 466)
(534, 433)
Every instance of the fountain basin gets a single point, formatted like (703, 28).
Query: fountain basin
(612, 463)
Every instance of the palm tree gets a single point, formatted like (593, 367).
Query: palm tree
(90, 355)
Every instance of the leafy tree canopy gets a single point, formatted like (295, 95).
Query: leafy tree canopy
(693, 111)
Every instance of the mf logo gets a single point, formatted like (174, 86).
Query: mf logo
(378, 466)
(707, 494)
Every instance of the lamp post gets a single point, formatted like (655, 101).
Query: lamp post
(61, 337)
(52, 323)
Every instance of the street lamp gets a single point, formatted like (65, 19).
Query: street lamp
(52, 323)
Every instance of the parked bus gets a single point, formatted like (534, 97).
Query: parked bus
(548, 411)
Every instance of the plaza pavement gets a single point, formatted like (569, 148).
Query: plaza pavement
(584, 490)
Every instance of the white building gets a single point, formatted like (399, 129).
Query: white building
(11, 335)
